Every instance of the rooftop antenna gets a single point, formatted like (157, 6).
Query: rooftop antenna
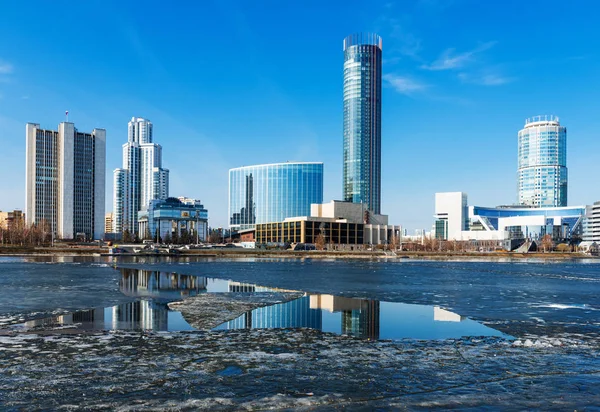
(67, 115)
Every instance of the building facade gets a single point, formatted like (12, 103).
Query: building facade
(273, 192)
(339, 224)
(108, 223)
(505, 223)
(542, 173)
(142, 177)
(171, 217)
(15, 218)
(451, 215)
(65, 180)
(362, 120)
(591, 223)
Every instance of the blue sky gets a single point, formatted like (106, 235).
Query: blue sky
(236, 83)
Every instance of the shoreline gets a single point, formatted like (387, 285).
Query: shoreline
(288, 254)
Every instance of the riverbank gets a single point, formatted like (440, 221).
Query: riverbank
(314, 254)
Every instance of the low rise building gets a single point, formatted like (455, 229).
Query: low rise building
(338, 224)
(8, 219)
(591, 223)
(172, 217)
(456, 221)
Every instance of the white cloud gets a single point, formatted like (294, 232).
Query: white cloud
(449, 59)
(5, 68)
(403, 84)
(486, 79)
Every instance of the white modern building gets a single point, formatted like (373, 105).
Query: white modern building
(451, 215)
(65, 180)
(141, 179)
(542, 163)
(591, 223)
(455, 220)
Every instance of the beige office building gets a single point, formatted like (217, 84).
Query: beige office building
(65, 180)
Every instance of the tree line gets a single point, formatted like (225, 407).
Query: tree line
(17, 233)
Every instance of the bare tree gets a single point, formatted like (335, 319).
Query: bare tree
(394, 241)
(547, 243)
(214, 237)
(320, 242)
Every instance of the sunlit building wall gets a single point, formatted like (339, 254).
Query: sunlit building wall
(65, 180)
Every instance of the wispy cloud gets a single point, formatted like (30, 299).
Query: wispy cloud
(450, 60)
(398, 39)
(403, 84)
(5, 68)
(485, 79)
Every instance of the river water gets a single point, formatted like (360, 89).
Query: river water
(550, 310)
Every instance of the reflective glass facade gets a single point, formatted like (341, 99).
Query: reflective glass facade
(362, 120)
(542, 174)
(273, 192)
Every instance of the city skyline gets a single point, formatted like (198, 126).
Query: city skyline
(441, 94)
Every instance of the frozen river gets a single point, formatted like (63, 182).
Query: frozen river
(469, 334)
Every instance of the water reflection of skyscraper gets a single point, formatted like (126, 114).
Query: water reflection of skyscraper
(294, 314)
(360, 317)
(142, 314)
(87, 319)
(135, 282)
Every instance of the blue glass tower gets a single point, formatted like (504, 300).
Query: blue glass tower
(362, 120)
(542, 174)
(273, 192)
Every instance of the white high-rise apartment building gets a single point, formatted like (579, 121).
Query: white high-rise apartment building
(141, 179)
(65, 180)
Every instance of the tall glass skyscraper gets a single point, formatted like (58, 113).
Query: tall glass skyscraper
(273, 192)
(542, 174)
(362, 120)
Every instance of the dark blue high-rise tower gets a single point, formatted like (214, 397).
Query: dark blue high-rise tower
(362, 120)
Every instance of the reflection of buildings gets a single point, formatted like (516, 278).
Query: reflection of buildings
(135, 282)
(142, 314)
(89, 319)
(294, 314)
(249, 288)
(360, 317)
(443, 315)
